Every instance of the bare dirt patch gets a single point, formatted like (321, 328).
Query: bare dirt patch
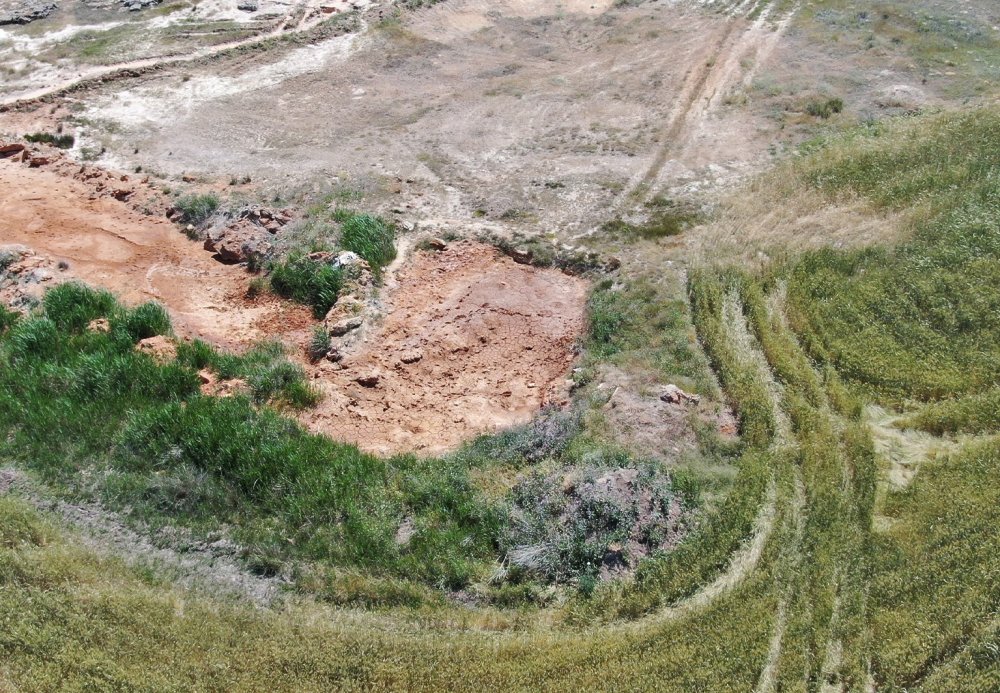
(105, 243)
(471, 342)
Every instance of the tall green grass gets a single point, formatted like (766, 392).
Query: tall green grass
(74, 402)
(371, 237)
(307, 281)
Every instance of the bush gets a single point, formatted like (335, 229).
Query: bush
(371, 237)
(60, 141)
(825, 108)
(196, 209)
(7, 318)
(313, 283)
(319, 343)
(144, 321)
(563, 525)
(71, 306)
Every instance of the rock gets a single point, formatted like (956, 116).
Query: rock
(239, 242)
(411, 356)
(159, 347)
(99, 325)
(7, 150)
(437, 244)
(342, 327)
(321, 256)
(370, 379)
(248, 6)
(335, 355)
(521, 256)
(348, 259)
(674, 395)
(136, 5)
(36, 161)
(26, 11)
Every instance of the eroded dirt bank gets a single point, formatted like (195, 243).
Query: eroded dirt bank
(105, 243)
(471, 342)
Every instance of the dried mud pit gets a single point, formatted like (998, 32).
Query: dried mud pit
(471, 342)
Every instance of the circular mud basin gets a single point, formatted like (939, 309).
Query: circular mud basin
(470, 342)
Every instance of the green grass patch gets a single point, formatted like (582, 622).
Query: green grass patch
(371, 237)
(78, 402)
(312, 282)
(196, 209)
(937, 585)
(646, 324)
(974, 414)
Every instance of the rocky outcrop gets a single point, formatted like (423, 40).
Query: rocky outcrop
(136, 5)
(248, 235)
(346, 319)
(161, 348)
(24, 11)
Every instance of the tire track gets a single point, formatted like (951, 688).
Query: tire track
(706, 85)
(310, 19)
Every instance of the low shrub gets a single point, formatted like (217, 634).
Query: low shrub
(60, 141)
(371, 237)
(196, 209)
(825, 108)
(307, 281)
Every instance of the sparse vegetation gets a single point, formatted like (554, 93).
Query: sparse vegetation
(56, 140)
(825, 108)
(196, 209)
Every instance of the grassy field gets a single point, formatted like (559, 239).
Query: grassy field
(814, 571)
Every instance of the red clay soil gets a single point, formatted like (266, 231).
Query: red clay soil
(138, 257)
(471, 342)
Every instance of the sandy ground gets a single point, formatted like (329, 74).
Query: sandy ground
(537, 116)
(471, 342)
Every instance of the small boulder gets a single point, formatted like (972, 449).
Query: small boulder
(370, 379)
(7, 150)
(342, 327)
(99, 325)
(411, 356)
(674, 395)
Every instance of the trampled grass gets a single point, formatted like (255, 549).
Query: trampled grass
(917, 320)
